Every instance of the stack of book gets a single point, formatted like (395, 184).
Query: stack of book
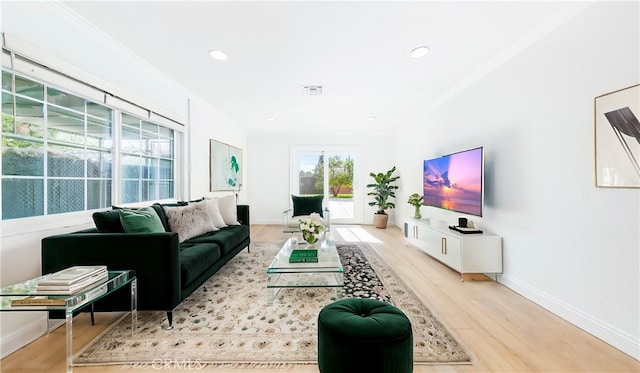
(72, 280)
(57, 300)
(54, 289)
(303, 256)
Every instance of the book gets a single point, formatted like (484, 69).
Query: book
(303, 260)
(72, 275)
(305, 253)
(37, 301)
(303, 256)
(74, 287)
(40, 300)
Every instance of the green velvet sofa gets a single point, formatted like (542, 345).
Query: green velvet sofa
(167, 270)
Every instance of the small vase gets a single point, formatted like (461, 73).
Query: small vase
(311, 238)
(416, 214)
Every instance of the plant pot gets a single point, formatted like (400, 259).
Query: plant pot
(311, 238)
(416, 213)
(380, 220)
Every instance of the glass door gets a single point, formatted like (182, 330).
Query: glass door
(330, 171)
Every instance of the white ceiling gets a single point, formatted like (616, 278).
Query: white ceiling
(359, 52)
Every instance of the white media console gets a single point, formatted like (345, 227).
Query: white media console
(475, 253)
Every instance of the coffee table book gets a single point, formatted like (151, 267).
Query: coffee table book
(58, 300)
(72, 275)
(303, 256)
(37, 301)
(72, 280)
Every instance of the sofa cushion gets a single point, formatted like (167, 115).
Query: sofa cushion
(306, 205)
(189, 221)
(228, 209)
(108, 221)
(144, 220)
(195, 258)
(214, 211)
(227, 238)
(163, 218)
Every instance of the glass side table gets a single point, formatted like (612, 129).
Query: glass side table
(72, 302)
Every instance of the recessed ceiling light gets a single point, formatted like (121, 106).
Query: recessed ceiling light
(271, 119)
(218, 55)
(371, 118)
(418, 52)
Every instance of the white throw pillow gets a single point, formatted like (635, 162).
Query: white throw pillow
(214, 211)
(228, 209)
(189, 221)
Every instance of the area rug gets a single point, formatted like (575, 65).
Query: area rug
(227, 321)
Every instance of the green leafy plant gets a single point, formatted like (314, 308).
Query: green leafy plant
(383, 189)
(415, 200)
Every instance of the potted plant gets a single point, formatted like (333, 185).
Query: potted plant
(415, 200)
(383, 189)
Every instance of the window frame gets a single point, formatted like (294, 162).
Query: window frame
(16, 226)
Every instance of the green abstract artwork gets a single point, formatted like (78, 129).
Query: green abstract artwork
(226, 166)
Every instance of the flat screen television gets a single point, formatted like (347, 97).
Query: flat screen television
(454, 182)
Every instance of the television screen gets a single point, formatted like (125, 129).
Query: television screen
(454, 182)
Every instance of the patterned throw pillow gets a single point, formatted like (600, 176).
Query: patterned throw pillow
(189, 221)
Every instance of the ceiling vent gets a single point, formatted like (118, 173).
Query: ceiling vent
(312, 90)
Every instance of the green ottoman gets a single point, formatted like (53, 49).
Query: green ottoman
(364, 335)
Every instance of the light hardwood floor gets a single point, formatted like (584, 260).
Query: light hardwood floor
(501, 330)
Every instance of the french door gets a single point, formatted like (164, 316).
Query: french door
(332, 171)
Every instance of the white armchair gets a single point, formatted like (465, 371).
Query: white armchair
(303, 206)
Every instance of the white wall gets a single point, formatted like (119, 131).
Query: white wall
(91, 52)
(55, 33)
(268, 166)
(569, 246)
(208, 123)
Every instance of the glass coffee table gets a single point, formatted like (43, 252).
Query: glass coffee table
(72, 302)
(326, 273)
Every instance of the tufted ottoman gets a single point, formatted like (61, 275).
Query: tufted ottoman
(364, 335)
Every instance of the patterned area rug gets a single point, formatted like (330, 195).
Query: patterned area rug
(227, 322)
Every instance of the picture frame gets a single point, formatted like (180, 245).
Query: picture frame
(617, 138)
(226, 167)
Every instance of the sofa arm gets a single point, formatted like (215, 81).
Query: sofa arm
(243, 214)
(154, 257)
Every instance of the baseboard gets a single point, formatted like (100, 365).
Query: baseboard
(28, 333)
(593, 326)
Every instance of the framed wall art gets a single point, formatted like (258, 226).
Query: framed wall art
(617, 138)
(226, 166)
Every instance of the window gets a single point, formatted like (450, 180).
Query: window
(332, 171)
(147, 155)
(58, 152)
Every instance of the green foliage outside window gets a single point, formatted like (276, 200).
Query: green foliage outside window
(340, 174)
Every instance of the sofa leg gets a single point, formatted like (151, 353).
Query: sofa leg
(248, 248)
(170, 319)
